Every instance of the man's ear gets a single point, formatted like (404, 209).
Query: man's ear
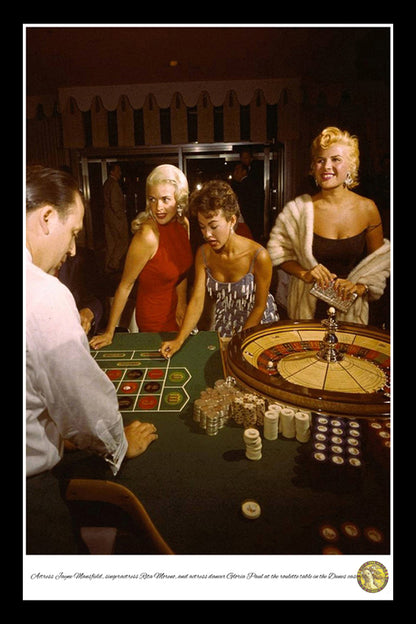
(46, 215)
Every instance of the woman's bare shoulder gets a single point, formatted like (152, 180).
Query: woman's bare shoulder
(147, 228)
(256, 248)
(368, 208)
(147, 234)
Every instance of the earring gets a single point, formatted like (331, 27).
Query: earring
(179, 211)
(348, 179)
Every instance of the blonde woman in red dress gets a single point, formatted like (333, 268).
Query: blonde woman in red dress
(159, 258)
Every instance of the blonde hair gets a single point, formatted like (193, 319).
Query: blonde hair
(331, 135)
(160, 175)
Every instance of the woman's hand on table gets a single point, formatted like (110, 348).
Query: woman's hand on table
(170, 347)
(101, 340)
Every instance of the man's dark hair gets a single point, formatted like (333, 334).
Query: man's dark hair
(46, 186)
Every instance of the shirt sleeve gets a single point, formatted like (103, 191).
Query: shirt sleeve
(79, 397)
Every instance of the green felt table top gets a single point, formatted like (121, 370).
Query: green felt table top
(193, 484)
(195, 366)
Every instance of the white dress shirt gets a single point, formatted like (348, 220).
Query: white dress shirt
(67, 394)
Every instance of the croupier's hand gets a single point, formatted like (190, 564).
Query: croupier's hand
(139, 436)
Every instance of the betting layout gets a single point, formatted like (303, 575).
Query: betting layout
(145, 380)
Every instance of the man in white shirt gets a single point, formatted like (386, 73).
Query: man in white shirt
(68, 397)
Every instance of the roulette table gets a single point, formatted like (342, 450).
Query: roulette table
(196, 487)
(284, 361)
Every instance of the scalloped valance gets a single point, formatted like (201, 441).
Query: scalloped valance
(154, 114)
(178, 113)
(190, 92)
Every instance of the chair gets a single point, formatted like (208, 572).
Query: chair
(125, 510)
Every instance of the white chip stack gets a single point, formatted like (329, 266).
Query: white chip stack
(303, 426)
(271, 425)
(287, 419)
(252, 441)
(275, 407)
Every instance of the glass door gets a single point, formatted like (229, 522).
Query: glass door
(198, 162)
(260, 197)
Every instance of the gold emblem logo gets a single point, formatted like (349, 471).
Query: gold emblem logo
(372, 576)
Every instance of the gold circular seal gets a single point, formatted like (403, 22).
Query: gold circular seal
(372, 577)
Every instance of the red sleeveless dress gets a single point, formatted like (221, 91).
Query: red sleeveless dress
(156, 289)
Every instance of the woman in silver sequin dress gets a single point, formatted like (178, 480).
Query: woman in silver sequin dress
(233, 270)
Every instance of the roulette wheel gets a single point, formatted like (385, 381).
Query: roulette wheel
(322, 366)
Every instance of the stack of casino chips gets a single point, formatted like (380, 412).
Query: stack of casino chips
(216, 406)
(243, 412)
(336, 451)
(248, 409)
(293, 423)
(287, 422)
(253, 444)
(212, 409)
(271, 424)
(303, 426)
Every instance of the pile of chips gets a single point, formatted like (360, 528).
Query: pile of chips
(248, 410)
(216, 406)
(226, 401)
(213, 408)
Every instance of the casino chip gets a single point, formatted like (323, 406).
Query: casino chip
(331, 550)
(250, 509)
(351, 530)
(329, 532)
(373, 535)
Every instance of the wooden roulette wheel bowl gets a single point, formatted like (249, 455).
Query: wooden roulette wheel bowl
(281, 362)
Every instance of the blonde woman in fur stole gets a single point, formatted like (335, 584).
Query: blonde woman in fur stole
(335, 236)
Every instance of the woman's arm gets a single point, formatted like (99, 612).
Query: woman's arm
(375, 236)
(374, 240)
(193, 311)
(182, 294)
(262, 277)
(318, 273)
(142, 248)
(182, 287)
